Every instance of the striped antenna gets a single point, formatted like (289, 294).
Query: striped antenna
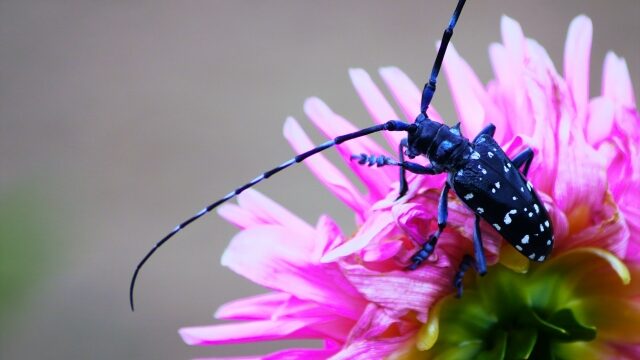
(392, 125)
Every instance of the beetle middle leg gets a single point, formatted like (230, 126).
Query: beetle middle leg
(428, 247)
(525, 157)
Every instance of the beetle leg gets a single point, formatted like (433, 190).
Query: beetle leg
(429, 246)
(403, 172)
(488, 130)
(466, 263)
(381, 160)
(481, 262)
(525, 157)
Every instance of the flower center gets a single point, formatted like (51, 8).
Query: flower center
(507, 315)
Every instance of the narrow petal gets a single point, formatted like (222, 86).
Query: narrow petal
(324, 170)
(406, 93)
(577, 54)
(262, 330)
(465, 90)
(377, 180)
(616, 82)
(376, 104)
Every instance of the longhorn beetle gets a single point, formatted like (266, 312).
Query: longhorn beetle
(479, 171)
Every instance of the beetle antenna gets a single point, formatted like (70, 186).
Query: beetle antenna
(393, 125)
(430, 87)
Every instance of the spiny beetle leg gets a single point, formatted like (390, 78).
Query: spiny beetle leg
(525, 157)
(429, 246)
(481, 262)
(466, 263)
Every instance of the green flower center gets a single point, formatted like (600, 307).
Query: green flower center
(508, 315)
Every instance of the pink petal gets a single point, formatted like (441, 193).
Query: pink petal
(376, 104)
(329, 237)
(466, 91)
(381, 252)
(254, 307)
(376, 335)
(616, 82)
(377, 225)
(265, 330)
(577, 54)
(288, 354)
(406, 93)
(403, 291)
(270, 256)
(377, 180)
(324, 170)
(259, 209)
(599, 120)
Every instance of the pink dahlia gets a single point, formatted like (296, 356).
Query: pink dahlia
(352, 291)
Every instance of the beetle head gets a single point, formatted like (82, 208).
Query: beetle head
(421, 139)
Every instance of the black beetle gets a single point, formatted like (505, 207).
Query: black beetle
(479, 172)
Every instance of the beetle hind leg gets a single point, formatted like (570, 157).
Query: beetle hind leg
(428, 247)
(479, 264)
(523, 158)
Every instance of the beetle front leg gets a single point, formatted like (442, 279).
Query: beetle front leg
(525, 157)
(428, 247)
(403, 172)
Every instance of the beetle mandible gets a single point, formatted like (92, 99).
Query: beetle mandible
(480, 173)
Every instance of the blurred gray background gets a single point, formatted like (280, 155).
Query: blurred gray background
(120, 119)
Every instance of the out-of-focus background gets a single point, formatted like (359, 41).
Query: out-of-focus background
(120, 119)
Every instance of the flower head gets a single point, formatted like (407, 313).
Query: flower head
(353, 292)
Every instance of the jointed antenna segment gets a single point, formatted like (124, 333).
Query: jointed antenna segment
(392, 125)
(430, 87)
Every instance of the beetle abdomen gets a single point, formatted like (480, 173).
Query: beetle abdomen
(492, 187)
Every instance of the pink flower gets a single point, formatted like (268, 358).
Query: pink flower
(352, 291)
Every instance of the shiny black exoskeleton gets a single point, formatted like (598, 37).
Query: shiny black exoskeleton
(479, 172)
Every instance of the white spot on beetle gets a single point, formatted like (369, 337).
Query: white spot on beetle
(529, 185)
(541, 258)
(530, 214)
(484, 171)
(535, 206)
(525, 239)
(519, 248)
(521, 189)
(493, 190)
(480, 210)
(546, 223)
(509, 165)
(514, 198)
(548, 242)
(506, 169)
(541, 228)
(497, 227)
(507, 218)
(498, 184)
(532, 256)
(460, 172)
(490, 154)
(475, 155)
(469, 196)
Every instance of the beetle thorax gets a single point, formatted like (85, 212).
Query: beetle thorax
(445, 148)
